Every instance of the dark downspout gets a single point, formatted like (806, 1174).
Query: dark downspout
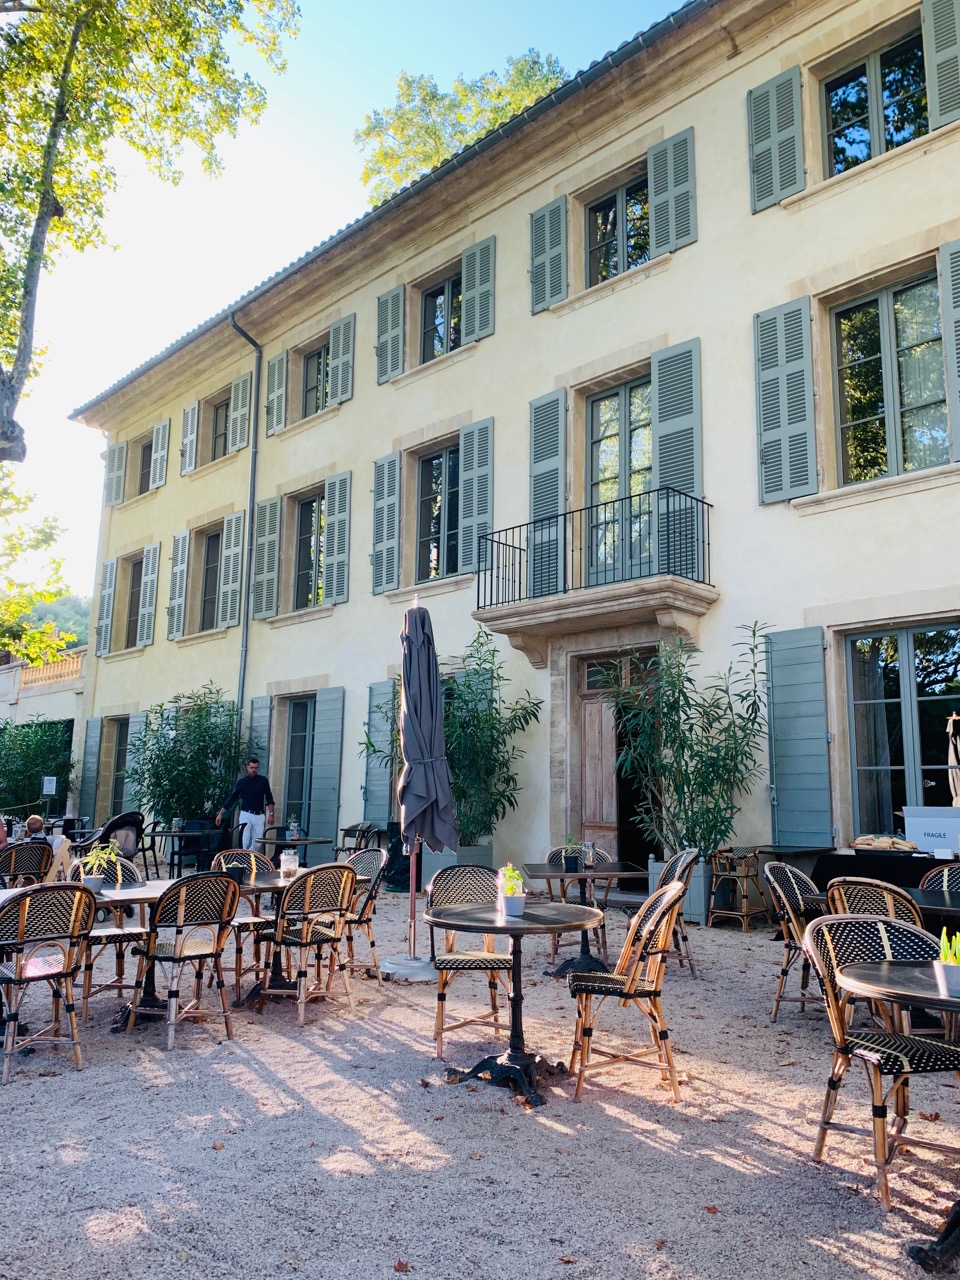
(251, 499)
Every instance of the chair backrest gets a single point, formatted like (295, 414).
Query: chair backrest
(679, 867)
(834, 941)
(355, 837)
(462, 884)
(649, 934)
(371, 863)
(556, 855)
(945, 878)
(858, 896)
(58, 914)
(789, 889)
(248, 858)
(207, 899)
(28, 858)
(115, 874)
(324, 890)
(126, 829)
(733, 856)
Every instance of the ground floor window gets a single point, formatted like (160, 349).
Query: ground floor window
(904, 688)
(119, 764)
(300, 713)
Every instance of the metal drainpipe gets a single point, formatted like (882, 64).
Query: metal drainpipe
(251, 500)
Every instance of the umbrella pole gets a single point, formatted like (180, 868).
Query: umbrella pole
(412, 931)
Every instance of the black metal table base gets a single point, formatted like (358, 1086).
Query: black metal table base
(578, 964)
(519, 1072)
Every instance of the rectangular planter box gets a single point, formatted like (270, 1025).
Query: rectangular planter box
(475, 855)
(432, 863)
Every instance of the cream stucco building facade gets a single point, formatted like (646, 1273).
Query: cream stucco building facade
(697, 317)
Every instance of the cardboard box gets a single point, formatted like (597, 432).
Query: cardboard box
(936, 827)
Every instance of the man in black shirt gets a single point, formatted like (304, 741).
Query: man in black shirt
(256, 803)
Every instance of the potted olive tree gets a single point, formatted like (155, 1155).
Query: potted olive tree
(692, 747)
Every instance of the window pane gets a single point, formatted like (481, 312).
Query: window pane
(876, 668)
(309, 564)
(920, 374)
(433, 324)
(878, 729)
(641, 439)
(455, 306)
(316, 381)
(637, 248)
(221, 413)
(133, 603)
(602, 239)
(210, 582)
(926, 439)
(904, 92)
(429, 524)
(937, 676)
(858, 332)
(882, 795)
(146, 464)
(848, 128)
(936, 660)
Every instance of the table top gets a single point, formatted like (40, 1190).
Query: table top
(936, 901)
(131, 894)
(538, 917)
(902, 981)
(298, 840)
(600, 871)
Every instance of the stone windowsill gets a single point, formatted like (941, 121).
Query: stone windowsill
(855, 495)
(624, 281)
(205, 468)
(117, 655)
(201, 637)
(433, 366)
(301, 615)
(437, 587)
(304, 424)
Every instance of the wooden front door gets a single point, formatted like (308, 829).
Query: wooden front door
(598, 786)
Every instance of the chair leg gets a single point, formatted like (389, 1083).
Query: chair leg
(71, 1011)
(586, 1034)
(222, 988)
(840, 1064)
(665, 1053)
(882, 1146)
(577, 1037)
(87, 983)
(137, 991)
(10, 1029)
(784, 970)
(443, 982)
(344, 975)
(173, 1001)
(302, 988)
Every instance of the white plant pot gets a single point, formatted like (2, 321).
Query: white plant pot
(93, 882)
(513, 904)
(948, 978)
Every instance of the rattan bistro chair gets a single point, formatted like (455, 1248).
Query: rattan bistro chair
(946, 879)
(311, 915)
(113, 934)
(371, 863)
(859, 896)
(24, 863)
(635, 982)
(832, 942)
(43, 934)
(555, 859)
(251, 923)
(189, 925)
(454, 886)
(680, 867)
(735, 870)
(790, 892)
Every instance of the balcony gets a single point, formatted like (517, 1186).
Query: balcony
(641, 559)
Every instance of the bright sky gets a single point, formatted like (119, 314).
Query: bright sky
(182, 253)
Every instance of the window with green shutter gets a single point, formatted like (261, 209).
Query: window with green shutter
(385, 558)
(108, 582)
(340, 368)
(548, 254)
(146, 614)
(390, 309)
(266, 558)
(238, 434)
(336, 539)
(308, 566)
(618, 231)
(775, 132)
(160, 445)
(176, 609)
(671, 175)
(231, 571)
(276, 412)
(188, 446)
(478, 269)
(787, 446)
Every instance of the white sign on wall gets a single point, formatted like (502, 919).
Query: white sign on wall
(49, 787)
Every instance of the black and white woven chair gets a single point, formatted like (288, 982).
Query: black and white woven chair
(251, 922)
(860, 896)
(453, 886)
(680, 867)
(945, 878)
(113, 933)
(26, 862)
(636, 982)
(372, 864)
(791, 891)
(890, 1058)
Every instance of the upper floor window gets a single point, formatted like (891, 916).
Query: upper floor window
(891, 395)
(438, 514)
(441, 330)
(316, 380)
(876, 105)
(308, 578)
(135, 587)
(146, 466)
(210, 579)
(618, 231)
(220, 430)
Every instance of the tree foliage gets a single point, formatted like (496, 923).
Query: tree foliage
(68, 613)
(78, 74)
(426, 125)
(28, 583)
(185, 760)
(29, 752)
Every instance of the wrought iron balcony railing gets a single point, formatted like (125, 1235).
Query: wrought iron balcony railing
(662, 531)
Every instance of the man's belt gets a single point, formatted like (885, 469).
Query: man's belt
(256, 813)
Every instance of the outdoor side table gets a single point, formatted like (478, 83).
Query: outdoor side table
(301, 844)
(586, 961)
(517, 1068)
(899, 982)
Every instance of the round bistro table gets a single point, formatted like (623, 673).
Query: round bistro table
(518, 1068)
(901, 982)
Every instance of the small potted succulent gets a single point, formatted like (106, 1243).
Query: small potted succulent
(512, 890)
(99, 864)
(571, 854)
(947, 968)
(293, 827)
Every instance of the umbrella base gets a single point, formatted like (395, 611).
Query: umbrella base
(408, 969)
(521, 1072)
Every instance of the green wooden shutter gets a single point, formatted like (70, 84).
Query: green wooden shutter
(950, 308)
(476, 492)
(266, 558)
(108, 583)
(787, 447)
(799, 759)
(673, 194)
(941, 56)
(148, 594)
(390, 309)
(238, 421)
(336, 539)
(276, 416)
(548, 492)
(178, 586)
(136, 723)
(775, 133)
(258, 730)
(678, 525)
(90, 767)
(231, 570)
(342, 333)
(548, 254)
(478, 271)
(386, 524)
(378, 782)
(188, 447)
(325, 776)
(161, 447)
(116, 474)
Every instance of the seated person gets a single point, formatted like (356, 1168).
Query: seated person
(35, 829)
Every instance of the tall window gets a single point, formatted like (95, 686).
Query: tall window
(146, 464)
(879, 104)
(133, 601)
(308, 582)
(299, 760)
(904, 684)
(618, 232)
(891, 391)
(441, 319)
(221, 417)
(620, 471)
(119, 764)
(210, 581)
(316, 381)
(438, 523)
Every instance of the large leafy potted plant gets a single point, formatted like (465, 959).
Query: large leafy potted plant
(692, 747)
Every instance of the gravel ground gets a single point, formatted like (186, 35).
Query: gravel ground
(338, 1150)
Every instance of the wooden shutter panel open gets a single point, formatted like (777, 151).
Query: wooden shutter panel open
(342, 334)
(478, 271)
(188, 447)
(941, 56)
(136, 723)
(386, 524)
(116, 474)
(678, 532)
(178, 586)
(276, 416)
(950, 310)
(476, 493)
(785, 424)
(378, 780)
(90, 767)
(108, 583)
(266, 558)
(548, 491)
(325, 776)
(148, 594)
(671, 177)
(258, 730)
(336, 539)
(231, 570)
(390, 308)
(548, 254)
(775, 132)
(238, 422)
(158, 461)
(799, 751)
